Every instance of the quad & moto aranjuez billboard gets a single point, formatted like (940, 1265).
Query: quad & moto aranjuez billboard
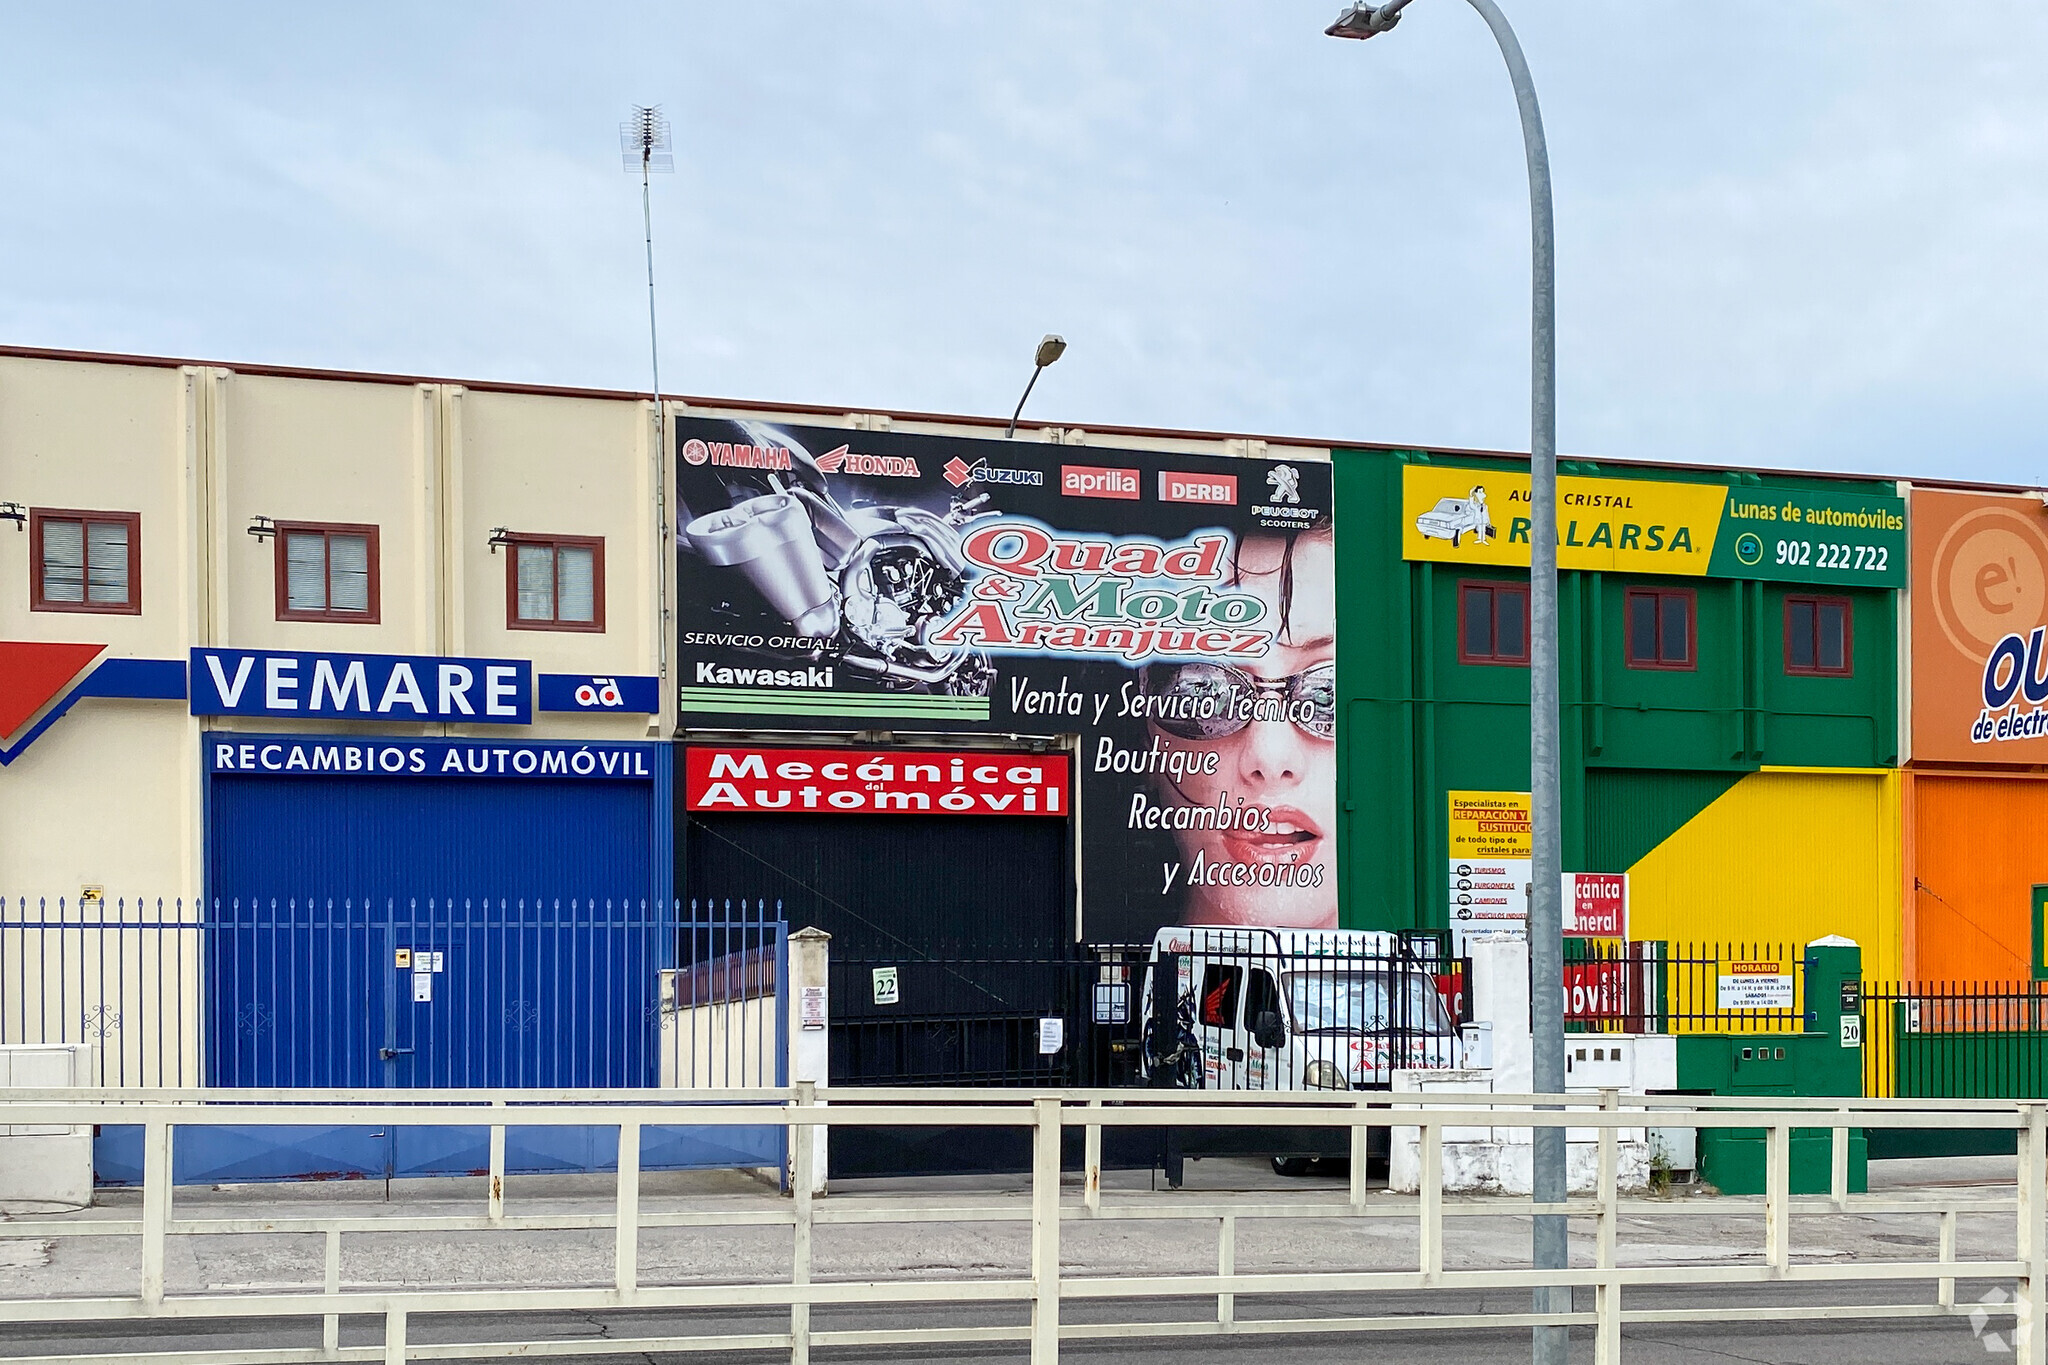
(1174, 612)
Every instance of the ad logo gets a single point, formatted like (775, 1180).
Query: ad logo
(623, 693)
(600, 692)
(1218, 490)
(1091, 481)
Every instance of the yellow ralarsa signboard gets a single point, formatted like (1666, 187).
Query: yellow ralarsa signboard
(1853, 535)
(1481, 516)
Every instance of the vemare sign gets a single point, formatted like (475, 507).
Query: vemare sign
(386, 687)
(870, 781)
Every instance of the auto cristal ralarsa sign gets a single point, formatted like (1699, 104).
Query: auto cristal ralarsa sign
(1847, 537)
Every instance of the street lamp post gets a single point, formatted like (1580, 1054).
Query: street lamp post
(1049, 350)
(1546, 928)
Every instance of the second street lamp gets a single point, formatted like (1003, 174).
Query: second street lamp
(1049, 350)
(1549, 1249)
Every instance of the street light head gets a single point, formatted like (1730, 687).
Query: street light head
(1366, 21)
(1050, 349)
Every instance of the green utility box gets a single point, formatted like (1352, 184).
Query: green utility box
(1826, 1059)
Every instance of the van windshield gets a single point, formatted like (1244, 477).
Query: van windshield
(1361, 1002)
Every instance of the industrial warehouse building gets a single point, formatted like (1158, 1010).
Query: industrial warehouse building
(342, 665)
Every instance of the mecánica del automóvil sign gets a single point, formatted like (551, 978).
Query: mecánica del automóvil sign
(872, 781)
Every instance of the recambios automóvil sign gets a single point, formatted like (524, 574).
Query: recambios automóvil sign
(875, 781)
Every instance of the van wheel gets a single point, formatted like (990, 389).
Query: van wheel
(1293, 1167)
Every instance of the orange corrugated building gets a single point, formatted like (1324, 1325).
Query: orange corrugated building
(1976, 788)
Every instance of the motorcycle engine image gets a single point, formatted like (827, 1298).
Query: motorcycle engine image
(769, 540)
(905, 574)
(874, 578)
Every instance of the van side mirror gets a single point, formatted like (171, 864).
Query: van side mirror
(1268, 1031)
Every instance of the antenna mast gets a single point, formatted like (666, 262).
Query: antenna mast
(644, 147)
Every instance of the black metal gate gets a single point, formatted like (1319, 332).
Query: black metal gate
(1057, 1019)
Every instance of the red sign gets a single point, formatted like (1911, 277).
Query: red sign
(1216, 489)
(874, 781)
(1089, 481)
(1596, 991)
(1596, 904)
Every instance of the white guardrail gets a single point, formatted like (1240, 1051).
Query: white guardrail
(162, 1113)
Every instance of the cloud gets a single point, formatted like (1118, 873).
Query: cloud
(1804, 236)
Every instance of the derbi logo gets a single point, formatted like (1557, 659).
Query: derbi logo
(1218, 490)
(1088, 481)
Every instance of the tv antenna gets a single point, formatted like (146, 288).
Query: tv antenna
(644, 147)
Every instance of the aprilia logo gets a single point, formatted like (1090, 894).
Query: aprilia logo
(1088, 481)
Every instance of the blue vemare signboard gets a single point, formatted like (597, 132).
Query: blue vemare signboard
(258, 682)
(372, 756)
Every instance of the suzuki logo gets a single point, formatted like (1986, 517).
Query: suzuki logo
(957, 471)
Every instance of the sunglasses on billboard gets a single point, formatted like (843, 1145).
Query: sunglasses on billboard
(1209, 700)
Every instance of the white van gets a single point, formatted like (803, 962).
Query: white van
(1296, 1009)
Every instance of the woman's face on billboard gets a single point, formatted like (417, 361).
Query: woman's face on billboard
(1283, 763)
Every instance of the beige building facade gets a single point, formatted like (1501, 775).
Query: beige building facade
(194, 480)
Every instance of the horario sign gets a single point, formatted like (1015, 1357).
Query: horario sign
(875, 781)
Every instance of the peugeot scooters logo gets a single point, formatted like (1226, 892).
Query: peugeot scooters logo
(1286, 482)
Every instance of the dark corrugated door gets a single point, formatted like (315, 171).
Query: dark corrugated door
(971, 919)
(887, 884)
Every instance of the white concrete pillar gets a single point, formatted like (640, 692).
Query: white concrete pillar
(1500, 996)
(810, 1054)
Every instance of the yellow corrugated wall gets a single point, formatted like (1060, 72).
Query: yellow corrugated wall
(1786, 855)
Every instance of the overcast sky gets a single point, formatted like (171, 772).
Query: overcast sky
(1791, 232)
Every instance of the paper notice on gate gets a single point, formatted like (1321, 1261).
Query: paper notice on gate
(1052, 1036)
(422, 986)
(1754, 986)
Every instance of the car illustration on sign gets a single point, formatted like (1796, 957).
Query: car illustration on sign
(1453, 519)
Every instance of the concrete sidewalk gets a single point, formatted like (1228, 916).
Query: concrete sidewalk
(1695, 1233)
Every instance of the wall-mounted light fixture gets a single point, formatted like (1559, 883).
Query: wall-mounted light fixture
(16, 513)
(500, 535)
(263, 528)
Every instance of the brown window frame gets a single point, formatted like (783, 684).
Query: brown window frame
(1692, 630)
(281, 572)
(132, 520)
(595, 544)
(1496, 587)
(1815, 670)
